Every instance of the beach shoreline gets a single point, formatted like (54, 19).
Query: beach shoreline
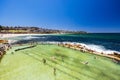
(3, 36)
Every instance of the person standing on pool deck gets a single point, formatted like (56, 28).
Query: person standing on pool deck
(44, 61)
(54, 71)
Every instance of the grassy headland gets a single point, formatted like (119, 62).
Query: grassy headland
(69, 64)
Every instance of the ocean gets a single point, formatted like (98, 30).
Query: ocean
(97, 41)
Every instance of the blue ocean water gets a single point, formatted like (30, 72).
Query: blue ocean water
(110, 41)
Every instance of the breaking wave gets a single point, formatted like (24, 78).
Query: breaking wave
(31, 37)
(96, 48)
(100, 49)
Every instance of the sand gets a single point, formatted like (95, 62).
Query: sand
(3, 36)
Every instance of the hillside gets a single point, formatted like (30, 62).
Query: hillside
(36, 30)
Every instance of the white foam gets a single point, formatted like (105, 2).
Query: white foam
(99, 48)
(30, 37)
(96, 48)
(12, 41)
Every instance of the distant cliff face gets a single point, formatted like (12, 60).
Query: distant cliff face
(19, 29)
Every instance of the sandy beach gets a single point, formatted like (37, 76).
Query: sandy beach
(3, 36)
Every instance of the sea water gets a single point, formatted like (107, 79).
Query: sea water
(97, 41)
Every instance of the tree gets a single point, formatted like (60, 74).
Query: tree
(1, 28)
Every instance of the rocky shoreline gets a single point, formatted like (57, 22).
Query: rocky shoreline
(3, 49)
(83, 48)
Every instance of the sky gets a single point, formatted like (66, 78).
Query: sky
(83, 15)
